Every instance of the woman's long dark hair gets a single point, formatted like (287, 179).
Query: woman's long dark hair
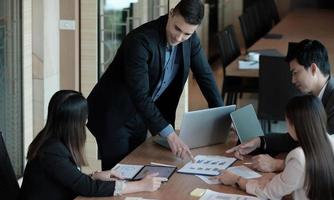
(66, 120)
(308, 116)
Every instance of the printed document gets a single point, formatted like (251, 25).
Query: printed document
(207, 165)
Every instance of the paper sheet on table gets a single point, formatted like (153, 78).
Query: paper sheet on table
(208, 180)
(127, 171)
(248, 64)
(207, 165)
(212, 195)
(241, 170)
(244, 172)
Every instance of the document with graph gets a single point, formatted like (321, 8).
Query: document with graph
(209, 165)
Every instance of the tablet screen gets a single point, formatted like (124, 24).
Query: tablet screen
(246, 123)
(163, 171)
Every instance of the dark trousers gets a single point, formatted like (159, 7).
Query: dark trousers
(113, 147)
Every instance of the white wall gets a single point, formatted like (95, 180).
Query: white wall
(45, 57)
(89, 67)
(27, 74)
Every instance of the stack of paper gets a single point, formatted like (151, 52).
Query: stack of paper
(248, 64)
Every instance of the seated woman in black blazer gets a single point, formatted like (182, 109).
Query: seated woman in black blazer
(57, 153)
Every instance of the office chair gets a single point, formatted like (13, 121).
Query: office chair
(265, 17)
(229, 50)
(9, 188)
(248, 29)
(256, 20)
(275, 89)
(272, 9)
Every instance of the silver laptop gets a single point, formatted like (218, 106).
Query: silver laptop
(246, 123)
(203, 127)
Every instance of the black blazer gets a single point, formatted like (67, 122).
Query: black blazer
(127, 85)
(276, 143)
(9, 188)
(54, 175)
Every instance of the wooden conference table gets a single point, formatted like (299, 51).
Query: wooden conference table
(300, 24)
(179, 185)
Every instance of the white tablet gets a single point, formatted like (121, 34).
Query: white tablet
(246, 123)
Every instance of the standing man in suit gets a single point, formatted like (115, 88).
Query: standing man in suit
(141, 88)
(310, 70)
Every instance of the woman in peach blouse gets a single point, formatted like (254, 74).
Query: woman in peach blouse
(309, 168)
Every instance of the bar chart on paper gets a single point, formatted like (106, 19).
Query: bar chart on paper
(207, 165)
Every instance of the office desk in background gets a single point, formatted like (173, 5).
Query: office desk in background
(179, 185)
(298, 25)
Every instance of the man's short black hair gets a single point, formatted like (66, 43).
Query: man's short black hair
(307, 52)
(191, 10)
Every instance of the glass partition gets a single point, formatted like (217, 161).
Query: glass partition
(11, 81)
(119, 17)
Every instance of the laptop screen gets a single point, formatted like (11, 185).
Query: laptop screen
(203, 127)
(206, 127)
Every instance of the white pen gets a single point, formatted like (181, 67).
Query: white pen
(247, 163)
(161, 164)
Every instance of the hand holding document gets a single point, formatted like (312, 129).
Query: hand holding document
(244, 172)
(241, 170)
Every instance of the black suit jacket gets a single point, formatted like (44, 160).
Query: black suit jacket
(53, 175)
(277, 143)
(127, 85)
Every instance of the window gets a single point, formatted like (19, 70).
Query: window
(117, 18)
(11, 81)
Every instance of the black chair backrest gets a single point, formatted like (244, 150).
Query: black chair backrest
(9, 188)
(255, 20)
(275, 88)
(248, 29)
(272, 8)
(265, 16)
(228, 46)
